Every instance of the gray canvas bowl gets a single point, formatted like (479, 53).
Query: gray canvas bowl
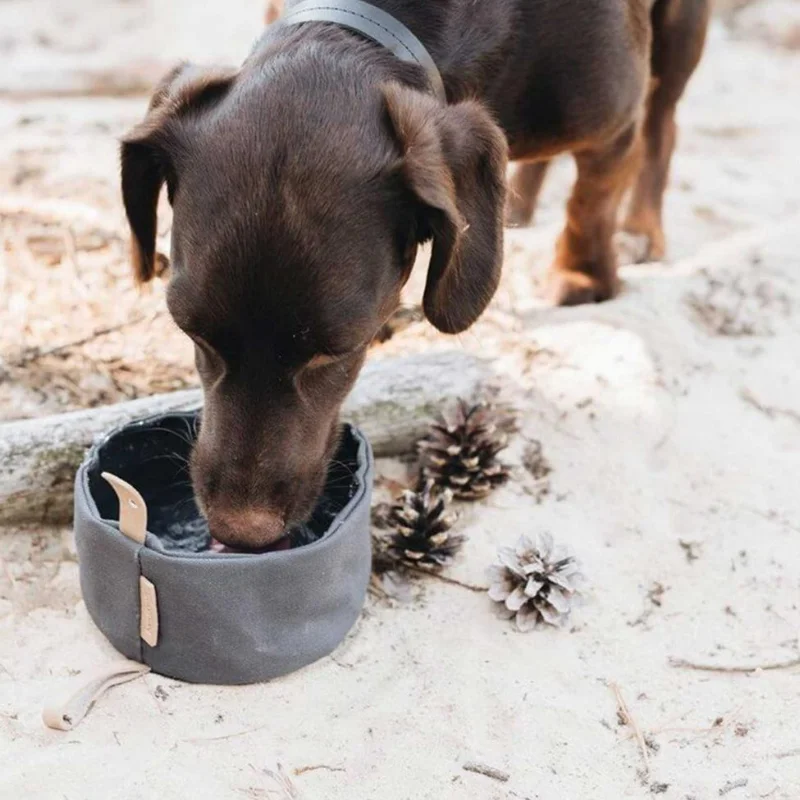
(215, 618)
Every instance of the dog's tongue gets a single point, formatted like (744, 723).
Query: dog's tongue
(284, 543)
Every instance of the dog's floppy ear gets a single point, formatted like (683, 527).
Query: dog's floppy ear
(454, 160)
(147, 153)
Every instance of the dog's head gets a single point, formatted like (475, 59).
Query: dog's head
(299, 199)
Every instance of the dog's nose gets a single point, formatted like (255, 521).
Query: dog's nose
(248, 528)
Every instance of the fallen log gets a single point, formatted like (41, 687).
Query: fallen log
(73, 81)
(392, 402)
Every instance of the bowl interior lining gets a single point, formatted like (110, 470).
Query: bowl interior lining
(153, 456)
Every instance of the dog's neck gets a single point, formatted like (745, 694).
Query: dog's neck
(374, 24)
(426, 19)
(467, 40)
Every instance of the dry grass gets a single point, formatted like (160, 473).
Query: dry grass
(77, 333)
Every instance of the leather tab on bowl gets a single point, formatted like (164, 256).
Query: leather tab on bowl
(148, 612)
(132, 508)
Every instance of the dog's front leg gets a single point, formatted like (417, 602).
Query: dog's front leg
(524, 192)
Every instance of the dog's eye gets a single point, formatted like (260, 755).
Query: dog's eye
(329, 358)
(203, 346)
(323, 360)
(208, 361)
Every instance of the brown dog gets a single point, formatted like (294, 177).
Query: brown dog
(303, 183)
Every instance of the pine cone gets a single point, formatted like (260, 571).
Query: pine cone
(380, 516)
(535, 582)
(460, 453)
(422, 526)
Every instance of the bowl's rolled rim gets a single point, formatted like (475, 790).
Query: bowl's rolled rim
(363, 456)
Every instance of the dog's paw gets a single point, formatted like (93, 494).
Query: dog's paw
(632, 248)
(567, 288)
(639, 244)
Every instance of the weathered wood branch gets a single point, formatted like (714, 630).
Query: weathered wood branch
(392, 402)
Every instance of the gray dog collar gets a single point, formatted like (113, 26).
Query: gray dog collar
(375, 24)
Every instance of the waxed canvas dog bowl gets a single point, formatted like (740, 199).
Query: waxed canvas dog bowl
(220, 618)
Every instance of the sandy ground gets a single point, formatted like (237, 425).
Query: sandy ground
(670, 418)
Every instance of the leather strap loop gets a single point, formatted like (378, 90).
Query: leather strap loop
(65, 716)
(375, 24)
